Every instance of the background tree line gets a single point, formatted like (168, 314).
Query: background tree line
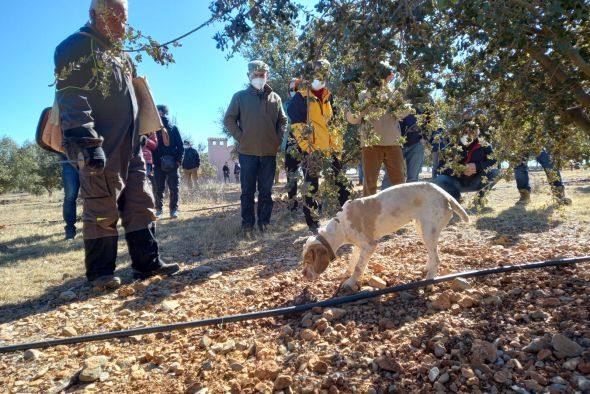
(28, 168)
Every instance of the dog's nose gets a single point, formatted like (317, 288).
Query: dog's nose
(307, 273)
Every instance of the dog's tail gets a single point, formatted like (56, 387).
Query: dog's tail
(457, 208)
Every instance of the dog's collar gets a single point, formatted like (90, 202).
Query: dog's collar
(325, 242)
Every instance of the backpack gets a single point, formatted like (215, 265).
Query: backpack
(49, 134)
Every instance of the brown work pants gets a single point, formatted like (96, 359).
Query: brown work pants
(373, 158)
(113, 195)
(190, 177)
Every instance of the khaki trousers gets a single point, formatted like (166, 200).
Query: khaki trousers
(111, 196)
(373, 158)
(190, 177)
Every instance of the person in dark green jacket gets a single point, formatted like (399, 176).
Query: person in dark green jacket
(256, 120)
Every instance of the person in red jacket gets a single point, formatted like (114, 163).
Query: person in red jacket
(480, 172)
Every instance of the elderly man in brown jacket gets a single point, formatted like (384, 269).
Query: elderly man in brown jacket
(103, 127)
(256, 120)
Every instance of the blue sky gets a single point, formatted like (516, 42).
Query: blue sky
(195, 87)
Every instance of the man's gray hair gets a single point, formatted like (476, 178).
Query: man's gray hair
(96, 4)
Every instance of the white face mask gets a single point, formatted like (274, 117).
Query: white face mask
(465, 140)
(292, 94)
(258, 83)
(186, 146)
(317, 84)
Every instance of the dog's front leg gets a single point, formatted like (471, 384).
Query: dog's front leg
(353, 261)
(364, 254)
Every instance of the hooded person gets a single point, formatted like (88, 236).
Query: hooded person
(256, 120)
(312, 106)
(101, 127)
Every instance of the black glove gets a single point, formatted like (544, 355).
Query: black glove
(95, 160)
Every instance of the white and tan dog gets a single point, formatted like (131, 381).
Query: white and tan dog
(365, 220)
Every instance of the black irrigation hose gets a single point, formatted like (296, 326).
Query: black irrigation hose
(292, 309)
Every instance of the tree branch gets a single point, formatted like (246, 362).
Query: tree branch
(556, 73)
(577, 116)
(573, 54)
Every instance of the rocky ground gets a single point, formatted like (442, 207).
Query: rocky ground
(525, 332)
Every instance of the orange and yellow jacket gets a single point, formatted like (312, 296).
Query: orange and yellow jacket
(322, 137)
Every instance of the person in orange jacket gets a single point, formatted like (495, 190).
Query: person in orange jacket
(310, 111)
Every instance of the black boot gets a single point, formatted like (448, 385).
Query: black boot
(100, 257)
(145, 257)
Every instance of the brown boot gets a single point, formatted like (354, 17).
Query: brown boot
(525, 197)
(559, 196)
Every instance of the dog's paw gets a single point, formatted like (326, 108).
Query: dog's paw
(346, 288)
(350, 285)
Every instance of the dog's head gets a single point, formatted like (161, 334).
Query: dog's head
(315, 258)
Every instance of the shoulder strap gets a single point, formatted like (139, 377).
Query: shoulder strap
(94, 37)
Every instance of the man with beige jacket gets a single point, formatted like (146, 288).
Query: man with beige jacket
(380, 141)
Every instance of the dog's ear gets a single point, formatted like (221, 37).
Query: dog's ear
(309, 255)
(321, 258)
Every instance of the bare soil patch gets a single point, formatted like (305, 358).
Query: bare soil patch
(521, 332)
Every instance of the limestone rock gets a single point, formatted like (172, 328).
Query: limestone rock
(319, 366)
(169, 305)
(565, 346)
(225, 347)
(467, 301)
(67, 296)
(482, 351)
(433, 374)
(69, 332)
(377, 282)
(125, 291)
(286, 331)
(269, 370)
(460, 284)
(537, 345)
(388, 364)
(331, 314)
(308, 335)
(92, 368)
(32, 354)
(282, 382)
(205, 341)
(441, 301)
(439, 349)
(501, 377)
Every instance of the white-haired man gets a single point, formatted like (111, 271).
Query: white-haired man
(99, 117)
